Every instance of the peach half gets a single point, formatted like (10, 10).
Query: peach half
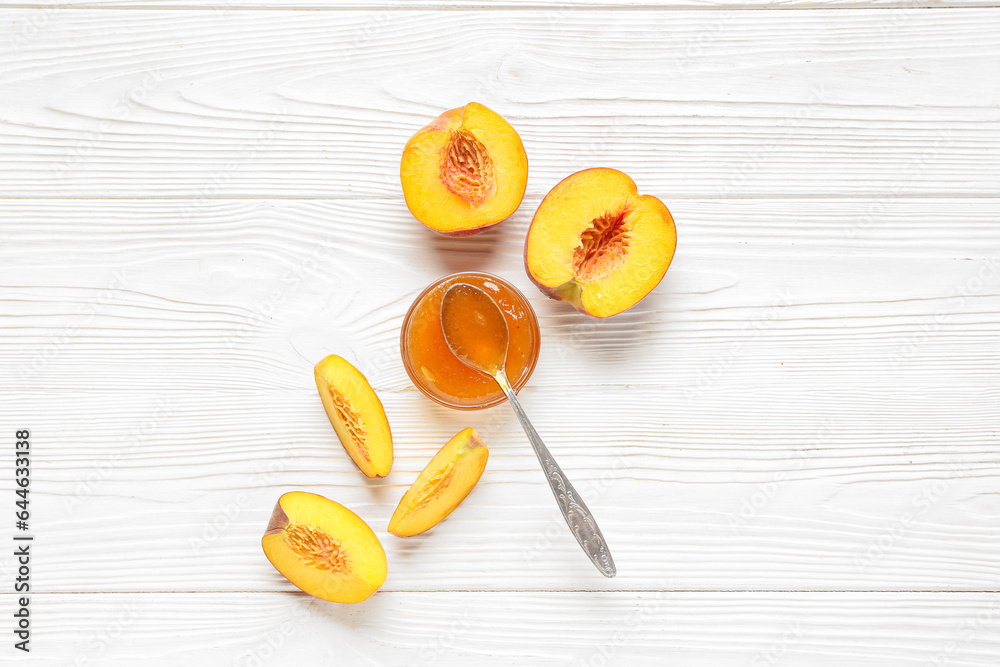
(598, 244)
(323, 548)
(442, 485)
(356, 415)
(464, 172)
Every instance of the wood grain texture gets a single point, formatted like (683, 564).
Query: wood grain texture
(807, 402)
(556, 8)
(203, 104)
(37, 9)
(794, 497)
(790, 445)
(573, 629)
(249, 294)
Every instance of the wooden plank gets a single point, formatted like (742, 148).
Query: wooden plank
(38, 9)
(249, 294)
(577, 629)
(828, 491)
(770, 491)
(197, 104)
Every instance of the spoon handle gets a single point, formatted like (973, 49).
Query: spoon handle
(579, 519)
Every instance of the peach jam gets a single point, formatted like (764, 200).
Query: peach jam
(438, 373)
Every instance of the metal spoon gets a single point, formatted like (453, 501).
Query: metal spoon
(476, 332)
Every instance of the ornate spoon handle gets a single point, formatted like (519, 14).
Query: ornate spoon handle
(579, 519)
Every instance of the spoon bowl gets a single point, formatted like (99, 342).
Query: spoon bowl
(476, 330)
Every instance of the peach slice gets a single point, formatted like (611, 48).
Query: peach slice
(442, 485)
(324, 548)
(464, 172)
(598, 244)
(356, 414)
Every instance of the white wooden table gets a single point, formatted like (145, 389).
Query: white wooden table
(791, 445)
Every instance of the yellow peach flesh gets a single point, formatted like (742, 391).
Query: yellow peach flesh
(464, 172)
(324, 549)
(598, 244)
(356, 414)
(442, 485)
